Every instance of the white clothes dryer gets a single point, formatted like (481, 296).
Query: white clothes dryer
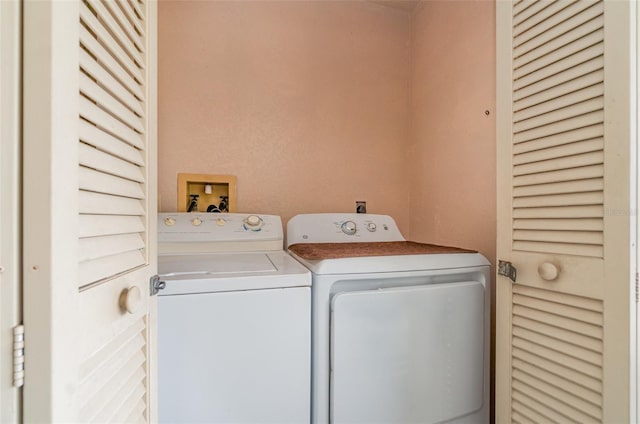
(400, 330)
(233, 322)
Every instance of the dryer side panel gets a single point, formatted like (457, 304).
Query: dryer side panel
(411, 354)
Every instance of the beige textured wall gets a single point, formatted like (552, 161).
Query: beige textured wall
(452, 149)
(307, 103)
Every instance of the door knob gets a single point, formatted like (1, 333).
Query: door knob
(548, 271)
(131, 299)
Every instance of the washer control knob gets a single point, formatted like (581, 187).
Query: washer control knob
(253, 223)
(169, 222)
(196, 222)
(348, 227)
(221, 222)
(371, 226)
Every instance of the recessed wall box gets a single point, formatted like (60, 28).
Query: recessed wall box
(221, 185)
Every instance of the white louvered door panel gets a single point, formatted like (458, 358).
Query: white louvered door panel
(112, 146)
(96, 323)
(564, 140)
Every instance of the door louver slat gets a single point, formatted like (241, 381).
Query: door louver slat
(551, 79)
(101, 225)
(116, 30)
(585, 47)
(123, 57)
(571, 174)
(98, 203)
(98, 247)
(102, 119)
(559, 224)
(558, 14)
(119, 363)
(558, 130)
(577, 109)
(93, 46)
(576, 212)
(522, 413)
(576, 237)
(570, 186)
(562, 150)
(100, 96)
(559, 248)
(541, 393)
(559, 39)
(556, 164)
(521, 13)
(559, 103)
(572, 199)
(567, 374)
(557, 355)
(592, 118)
(116, 10)
(91, 157)
(92, 68)
(127, 8)
(97, 269)
(576, 63)
(563, 32)
(560, 90)
(90, 134)
(569, 336)
(137, 8)
(92, 180)
(550, 415)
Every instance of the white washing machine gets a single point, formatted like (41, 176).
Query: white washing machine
(400, 330)
(233, 322)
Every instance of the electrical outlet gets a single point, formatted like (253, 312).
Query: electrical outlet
(361, 206)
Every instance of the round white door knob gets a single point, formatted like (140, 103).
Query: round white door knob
(548, 271)
(196, 222)
(131, 299)
(169, 222)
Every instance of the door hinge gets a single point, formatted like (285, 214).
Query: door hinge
(637, 289)
(507, 269)
(155, 285)
(18, 356)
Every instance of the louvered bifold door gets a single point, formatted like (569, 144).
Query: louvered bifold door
(113, 195)
(564, 140)
(92, 66)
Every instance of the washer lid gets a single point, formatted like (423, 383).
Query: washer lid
(220, 272)
(207, 265)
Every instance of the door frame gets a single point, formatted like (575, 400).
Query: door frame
(10, 201)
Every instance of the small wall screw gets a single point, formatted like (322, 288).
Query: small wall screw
(486, 112)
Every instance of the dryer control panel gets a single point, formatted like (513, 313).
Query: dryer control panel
(341, 228)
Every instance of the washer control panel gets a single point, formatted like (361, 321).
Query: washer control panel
(341, 228)
(209, 227)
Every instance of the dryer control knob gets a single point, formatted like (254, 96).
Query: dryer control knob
(348, 227)
(169, 222)
(196, 222)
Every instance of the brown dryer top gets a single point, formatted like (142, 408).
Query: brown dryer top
(318, 251)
